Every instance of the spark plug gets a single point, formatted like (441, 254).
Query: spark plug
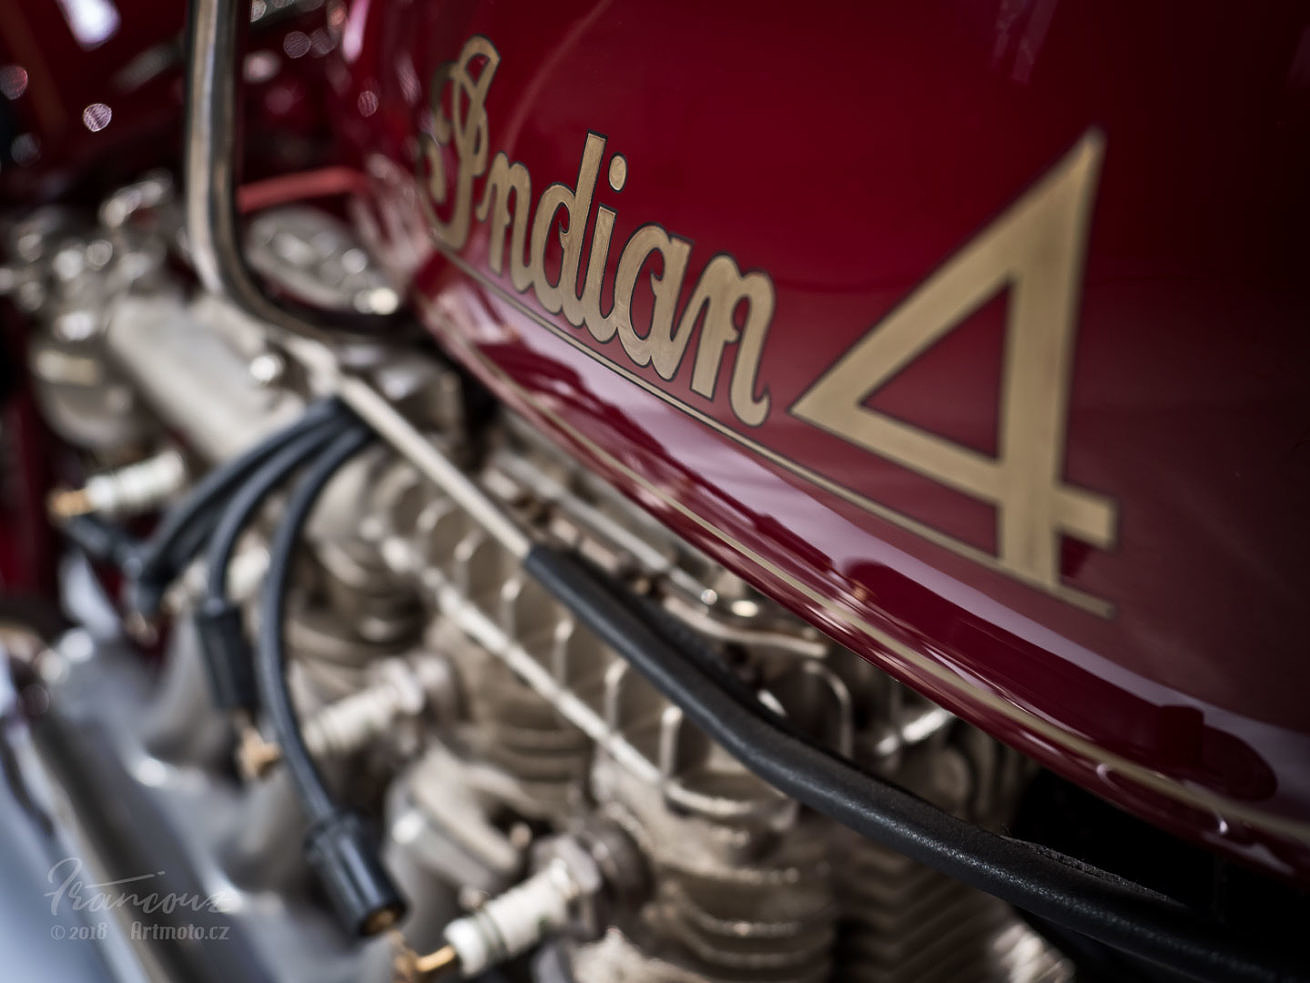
(502, 928)
(403, 689)
(127, 490)
(582, 880)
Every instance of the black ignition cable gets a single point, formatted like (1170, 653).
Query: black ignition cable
(337, 845)
(186, 527)
(217, 616)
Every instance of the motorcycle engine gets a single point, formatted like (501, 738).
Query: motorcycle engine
(528, 786)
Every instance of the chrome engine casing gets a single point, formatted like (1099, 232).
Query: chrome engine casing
(443, 691)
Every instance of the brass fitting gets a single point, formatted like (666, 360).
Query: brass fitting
(413, 967)
(255, 755)
(68, 503)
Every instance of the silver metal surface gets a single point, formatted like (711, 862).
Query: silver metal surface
(411, 444)
(208, 163)
(316, 257)
(192, 378)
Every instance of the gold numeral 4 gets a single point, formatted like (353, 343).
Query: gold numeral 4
(1036, 250)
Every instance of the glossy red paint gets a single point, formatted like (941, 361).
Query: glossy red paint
(848, 155)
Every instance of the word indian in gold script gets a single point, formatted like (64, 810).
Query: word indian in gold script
(503, 203)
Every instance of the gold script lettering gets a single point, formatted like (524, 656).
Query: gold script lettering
(504, 180)
(658, 344)
(466, 128)
(721, 290)
(555, 297)
(459, 127)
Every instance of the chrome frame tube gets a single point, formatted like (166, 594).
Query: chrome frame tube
(213, 47)
(209, 174)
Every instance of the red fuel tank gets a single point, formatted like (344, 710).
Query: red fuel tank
(974, 333)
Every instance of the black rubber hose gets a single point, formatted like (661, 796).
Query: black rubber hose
(217, 617)
(1048, 884)
(337, 844)
(241, 508)
(219, 480)
(100, 540)
(184, 528)
(270, 659)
